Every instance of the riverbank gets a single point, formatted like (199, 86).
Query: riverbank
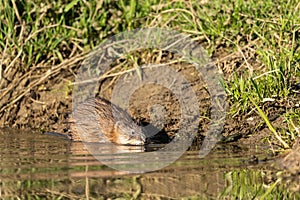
(255, 47)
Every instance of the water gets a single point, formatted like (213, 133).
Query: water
(38, 166)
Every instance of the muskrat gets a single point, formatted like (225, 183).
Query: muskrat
(98, 120)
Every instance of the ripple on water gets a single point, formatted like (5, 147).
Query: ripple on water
(49, 166)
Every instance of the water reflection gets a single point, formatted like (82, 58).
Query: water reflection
(34, 165)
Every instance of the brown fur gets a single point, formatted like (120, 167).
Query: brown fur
(97, 118)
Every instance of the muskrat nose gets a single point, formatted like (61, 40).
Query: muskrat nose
(141, 136)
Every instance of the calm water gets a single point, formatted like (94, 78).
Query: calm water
(39, 166)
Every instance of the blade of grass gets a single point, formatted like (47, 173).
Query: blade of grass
(272, 129)
(71, 5)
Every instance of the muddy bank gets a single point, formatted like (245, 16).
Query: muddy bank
(44, 103)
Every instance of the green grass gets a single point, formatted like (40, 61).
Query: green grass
(263, 35)
(261, 38)
(38, 31)
(255, 43)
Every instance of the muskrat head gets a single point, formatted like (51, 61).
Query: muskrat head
(129, 133)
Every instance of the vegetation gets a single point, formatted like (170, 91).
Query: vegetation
(254, 43)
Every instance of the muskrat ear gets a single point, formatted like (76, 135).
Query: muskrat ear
(120, 126)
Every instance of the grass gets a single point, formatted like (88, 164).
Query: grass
(36, 31)
(254, 43)
(270, 126)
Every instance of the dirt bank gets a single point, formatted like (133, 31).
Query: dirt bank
(42, 99)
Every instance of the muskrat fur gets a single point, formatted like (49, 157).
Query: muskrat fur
(98, 120)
